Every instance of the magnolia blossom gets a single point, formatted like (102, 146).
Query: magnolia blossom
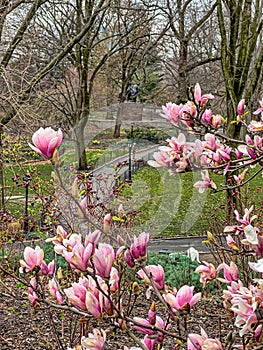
(230, 272)
(76, 294)
(139, 246)
(202, 342)
(257, 266)
(193, 254)
(32, 296)
(157, 274)
(205, 183)
(251, 235)
(61, 234)
(199, 98)
(183, 299)
(103, 259)
(255, 126)
(246, 316)
(208, 272)
(46, 141)
(54, 291)
(153, 336)
(232, 243)
(33, 258)
(79, 256)
(94, 341)
(260, 110)
(241, 107)
(106, 223)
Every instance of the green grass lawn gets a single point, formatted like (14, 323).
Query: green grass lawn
(170, 205)
(40, 186)
(173, 207)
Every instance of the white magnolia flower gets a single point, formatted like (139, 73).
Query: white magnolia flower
(256, 266)
(193, 254)
(251, 235)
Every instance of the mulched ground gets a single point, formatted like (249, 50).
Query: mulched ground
(23, 327)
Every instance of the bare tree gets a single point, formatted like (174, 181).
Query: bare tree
(240, 23)
(16, 19)
(189, 23)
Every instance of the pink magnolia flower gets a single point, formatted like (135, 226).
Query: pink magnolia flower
(47, 269)
(211, 142)
(67, 243)
(139, 246)
(149, 329)
(128, 258)
(216, 120)
(206, 183)
(79, 256)
(230, 272)
(199, 98)
(46, 141)
(94, 341)
(33, 258)
(93, 238)
(255, 126)
(76, 294)
(32, 296)
(162, 159)
(260, 110)
(140, 323)
(114, 279)
(202, 342)
(54, 291)
(232, 243)
(157, 274)
(184, 298)
(96, 302)
(171, 112)
(207, 116)
(241, 107)
(106, 223)
(246, 316)
(61, 234)
(103, 259)
(208, 272)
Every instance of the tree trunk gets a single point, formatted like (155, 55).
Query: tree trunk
(117, 128)
(80, 145)
(183, 82)
(2, 195)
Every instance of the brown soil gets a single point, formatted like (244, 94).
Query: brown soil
(23, 327)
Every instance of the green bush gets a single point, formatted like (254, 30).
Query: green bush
(178, 269)
(49, 255)
(150, 134)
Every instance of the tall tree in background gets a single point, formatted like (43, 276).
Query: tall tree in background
(139, 47)
(187, 19)
(17, 87)
(240, 23)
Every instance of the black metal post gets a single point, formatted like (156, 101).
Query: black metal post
(130, 162)
(26, 180)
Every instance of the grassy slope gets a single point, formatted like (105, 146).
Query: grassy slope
(178, 208)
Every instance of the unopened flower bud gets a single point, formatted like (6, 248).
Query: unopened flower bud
(106, 223)
(59, 273)
(135, 288)
(74, 188)
(120, 211)
(210, 237)
(55, 157)
(152, 314)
